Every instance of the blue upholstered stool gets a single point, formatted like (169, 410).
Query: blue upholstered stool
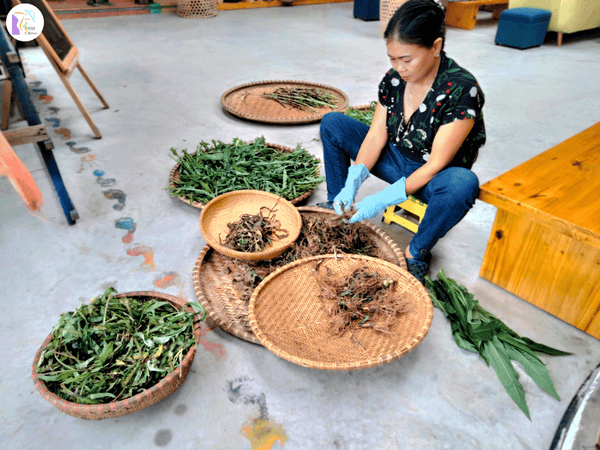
(366, 9)
(523, 27)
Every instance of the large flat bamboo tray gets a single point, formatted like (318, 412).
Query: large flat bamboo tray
(174, 177)
(215, 288)
(165, 387)
(288, 316)
(245, 101)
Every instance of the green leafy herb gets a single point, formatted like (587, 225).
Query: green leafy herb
(476, 330)
(364, 115)
(115, 348)
(219, 168)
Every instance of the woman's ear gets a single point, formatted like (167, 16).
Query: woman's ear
(437, 45)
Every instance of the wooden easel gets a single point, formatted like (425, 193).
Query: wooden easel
(64, 56)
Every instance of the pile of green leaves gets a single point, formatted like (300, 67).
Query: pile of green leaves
(476, 330)
(219, 168)
(364, 115)
(115, 348)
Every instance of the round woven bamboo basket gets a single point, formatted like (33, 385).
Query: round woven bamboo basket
(225, 305)
(174, 177)
(245, 101)
(165, 387)
(196, 9)
(229, 207)
(288, 317)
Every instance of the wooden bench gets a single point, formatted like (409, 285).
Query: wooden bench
(464, 14)
(545, 241)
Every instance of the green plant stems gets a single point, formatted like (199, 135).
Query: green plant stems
(219, 168)
(115, 348)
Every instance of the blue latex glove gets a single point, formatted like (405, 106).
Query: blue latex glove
(356, 175)
(374, 204)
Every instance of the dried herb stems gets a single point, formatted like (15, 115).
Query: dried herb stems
(115, 348)
(253, 232)
(363, 298)
(302, 98)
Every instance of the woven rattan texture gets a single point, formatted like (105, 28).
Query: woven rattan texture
(288, 317)
(245, 101)
(229, 207)
(387, 8)
(216, 291)
(196, 9)
(174, 177)
(163, 389)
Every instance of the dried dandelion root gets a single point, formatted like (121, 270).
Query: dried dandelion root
(363, 298)
(252, 233)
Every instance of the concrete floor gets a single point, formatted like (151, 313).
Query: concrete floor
(163, 77)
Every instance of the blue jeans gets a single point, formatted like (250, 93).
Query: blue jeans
(449, 195)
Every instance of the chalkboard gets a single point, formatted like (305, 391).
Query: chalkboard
(54, 39)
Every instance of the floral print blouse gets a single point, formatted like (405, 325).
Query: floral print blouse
(454, 95)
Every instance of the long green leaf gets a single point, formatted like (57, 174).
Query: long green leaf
(508, 376)
(540, 348)
(517, 343)
(535, 369)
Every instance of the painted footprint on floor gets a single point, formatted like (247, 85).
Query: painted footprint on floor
(54, 121)
(167, 280)
(104, 182)
(146, 252)
(64, 133)
(88, 160)
(46, 98)
(53, 110)
(71, 145)
(35, 83)
(126, 223)
(263, 434)
(116, 194)
(41, 91)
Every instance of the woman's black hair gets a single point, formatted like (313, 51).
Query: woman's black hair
(418, 22)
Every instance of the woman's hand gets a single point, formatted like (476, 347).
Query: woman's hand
(372, 205)
(448, 140)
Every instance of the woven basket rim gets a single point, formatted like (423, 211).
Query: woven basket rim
(310, 117)
(174, 176)
(112, 409)
(237, 328)
(354, 365)
(271, 252)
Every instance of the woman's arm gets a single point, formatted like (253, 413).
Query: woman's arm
(375, 141)
(448, 140)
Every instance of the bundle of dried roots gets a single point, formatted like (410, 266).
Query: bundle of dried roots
(253, 232)
(363, 299)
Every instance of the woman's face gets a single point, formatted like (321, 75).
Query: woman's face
(412, 62)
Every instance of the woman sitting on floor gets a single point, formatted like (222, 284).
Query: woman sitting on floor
(424, 138)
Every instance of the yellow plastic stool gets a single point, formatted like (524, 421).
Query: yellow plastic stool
(412, 205)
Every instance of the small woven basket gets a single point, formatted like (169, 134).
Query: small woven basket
(288, 317)
(165, 387)
(196, 9)
(229, 207)
(174, 178)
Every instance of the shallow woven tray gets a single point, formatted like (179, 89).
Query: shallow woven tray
(245, 101)
(216, 292)
(165, 387)
(174, 176)
(228, 207)
(288, 317)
